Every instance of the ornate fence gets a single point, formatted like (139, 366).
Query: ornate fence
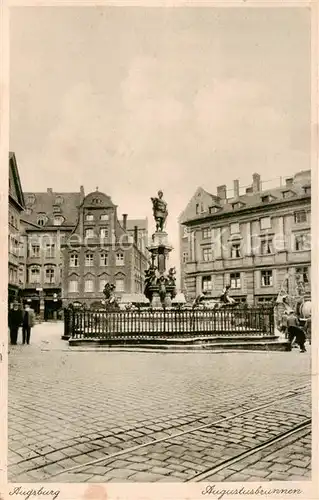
(79, 324)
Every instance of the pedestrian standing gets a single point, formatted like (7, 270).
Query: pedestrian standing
(295, 332)
(14, 322)
(27, 323)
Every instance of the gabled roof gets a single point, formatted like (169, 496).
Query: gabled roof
(44, 203)
(199, 191)
(15, 189)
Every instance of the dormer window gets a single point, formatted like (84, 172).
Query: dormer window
(58, 220)
(237, 205)
(287, 194)
(96, 201)
(58, 200)
(104, 217)
(42, 220)
(214, 209)
(30, 199)
(267, 198)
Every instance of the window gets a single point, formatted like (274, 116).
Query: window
(88, 286)
(73, 286)
(41, 220)
(213, 210)
(35, 275)
(206, 233)
(119, 259)
(102, 284)
(58, 220)
(302, 242)
(265, 300)
(287, 194)
(266, 247)
(28, 211)
(301, 216)
(197, 208)
(235, 250)
(119, 284)
(89, 233)
(185, 257)
(206, 283)
(50, 250)
(89, 217)
(266, 198)
(35, 250)
(58, 200)
(266, 278)
(104, 232)
(307, 190)
(207, 254)
(30, 199)
(104, 217)
(303, 274)
(74, 260)
(89, 259)
(234, 228)
(103, 259)
(49, 275)
(235, 280)
(265, 223)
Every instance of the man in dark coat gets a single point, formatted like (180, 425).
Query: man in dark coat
(295, 332)
(14, 321)
(27, 323)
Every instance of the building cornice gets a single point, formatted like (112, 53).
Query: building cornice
(262, 209)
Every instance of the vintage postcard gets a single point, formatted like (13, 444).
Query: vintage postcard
(159, 192)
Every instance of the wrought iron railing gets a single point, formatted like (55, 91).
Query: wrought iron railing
(168, 323)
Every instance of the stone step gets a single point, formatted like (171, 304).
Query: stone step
(270, 343)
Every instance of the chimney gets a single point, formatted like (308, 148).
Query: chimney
(289, 181)
(124, 223)
(236, 189)
(136, 235)
(82, 190)
(222, 192)
(256, 183)
(49, 190)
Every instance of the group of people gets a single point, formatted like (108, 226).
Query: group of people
(17, 318)
(291, 327)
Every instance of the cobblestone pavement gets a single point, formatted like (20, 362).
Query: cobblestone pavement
(124, 416)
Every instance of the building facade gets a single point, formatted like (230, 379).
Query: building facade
(101, 250)
(16, 206)
(48, 219)
(257, 242)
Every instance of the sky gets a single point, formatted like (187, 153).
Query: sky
(132, 100)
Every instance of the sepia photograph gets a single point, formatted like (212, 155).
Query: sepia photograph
(159, 255)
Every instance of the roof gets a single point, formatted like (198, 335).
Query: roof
(15, 189)
(250, 200)
(44, 204)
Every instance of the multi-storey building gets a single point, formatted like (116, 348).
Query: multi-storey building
(101, 250)
(16, 206)
(252, 241)
(48, 218)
